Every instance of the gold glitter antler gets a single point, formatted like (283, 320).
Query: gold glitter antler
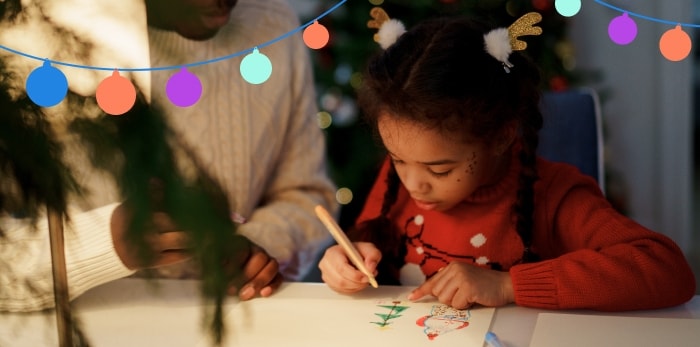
(524, 25)
(378, 18)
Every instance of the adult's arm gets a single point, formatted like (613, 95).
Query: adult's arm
(26, 280)
(285, 224)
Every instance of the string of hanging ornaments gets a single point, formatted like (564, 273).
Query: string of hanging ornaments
(675, 44)
(47, 86)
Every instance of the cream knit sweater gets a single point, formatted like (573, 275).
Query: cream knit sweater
(261, 142)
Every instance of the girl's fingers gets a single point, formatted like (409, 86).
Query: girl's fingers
(339, 274)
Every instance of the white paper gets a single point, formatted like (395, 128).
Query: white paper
(296, 322)
(572, 330)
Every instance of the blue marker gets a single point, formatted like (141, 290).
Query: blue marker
(493, 341)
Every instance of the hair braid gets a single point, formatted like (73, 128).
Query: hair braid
(525, 201)
(384, 234)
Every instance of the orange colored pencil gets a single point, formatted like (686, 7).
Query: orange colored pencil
(344, 242)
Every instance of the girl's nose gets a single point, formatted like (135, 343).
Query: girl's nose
(415, 184)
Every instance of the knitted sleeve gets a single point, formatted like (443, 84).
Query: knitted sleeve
(594, 257)
(26, 280)
(285, 223)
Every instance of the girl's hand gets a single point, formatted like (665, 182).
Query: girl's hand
(338, 272)
(461, 285)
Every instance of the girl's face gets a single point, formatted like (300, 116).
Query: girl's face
(437, 171)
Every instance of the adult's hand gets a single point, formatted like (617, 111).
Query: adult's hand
(260, 275)
(165, 244)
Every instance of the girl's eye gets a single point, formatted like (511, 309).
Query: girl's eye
(440, 174)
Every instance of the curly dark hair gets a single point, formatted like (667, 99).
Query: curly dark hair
(439, 74)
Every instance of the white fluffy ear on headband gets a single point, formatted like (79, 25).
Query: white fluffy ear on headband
(389, 31)
(497, 43)
(501, 42)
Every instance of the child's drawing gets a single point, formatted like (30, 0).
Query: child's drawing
(395, 308)
(443, 319)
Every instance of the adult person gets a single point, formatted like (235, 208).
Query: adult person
(260, 142)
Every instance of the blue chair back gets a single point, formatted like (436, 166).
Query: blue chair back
(572, 131)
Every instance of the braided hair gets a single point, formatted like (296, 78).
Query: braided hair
(439, 74)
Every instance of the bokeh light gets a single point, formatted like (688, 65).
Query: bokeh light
(324, 119)
(343, 196)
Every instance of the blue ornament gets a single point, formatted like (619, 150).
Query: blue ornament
(46, 85)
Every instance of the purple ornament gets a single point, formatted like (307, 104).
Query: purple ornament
(622, 29)
(184, 88)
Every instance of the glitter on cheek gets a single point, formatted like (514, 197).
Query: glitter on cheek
(471, 164)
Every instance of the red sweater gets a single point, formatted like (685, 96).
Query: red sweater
(592, 256)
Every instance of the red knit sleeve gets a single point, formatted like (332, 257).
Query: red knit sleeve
(373, 204)
(595, 257)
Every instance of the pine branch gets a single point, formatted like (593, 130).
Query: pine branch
(138, 149)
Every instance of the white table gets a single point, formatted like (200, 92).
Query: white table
(135, 312)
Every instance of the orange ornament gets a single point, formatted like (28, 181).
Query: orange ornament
(675, 44)
(116, 94)
(316, 35)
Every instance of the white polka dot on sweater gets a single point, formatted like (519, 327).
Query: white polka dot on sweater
(482, 260)
(478, 240)
(419, 219)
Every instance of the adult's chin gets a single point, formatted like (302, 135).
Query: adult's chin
(230, 3)
(206, 26)
(200, 35)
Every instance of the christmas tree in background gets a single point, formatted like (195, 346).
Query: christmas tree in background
(353, 153)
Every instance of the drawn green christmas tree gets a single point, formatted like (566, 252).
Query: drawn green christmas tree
(394, 312)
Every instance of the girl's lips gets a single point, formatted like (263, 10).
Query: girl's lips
(425, 205)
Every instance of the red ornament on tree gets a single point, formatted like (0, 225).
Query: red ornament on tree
(542, 5)
(558, 83)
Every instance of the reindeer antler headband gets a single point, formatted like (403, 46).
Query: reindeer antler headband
(499, 42)
(388, 29)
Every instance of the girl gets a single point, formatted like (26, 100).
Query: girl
(464, 208)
